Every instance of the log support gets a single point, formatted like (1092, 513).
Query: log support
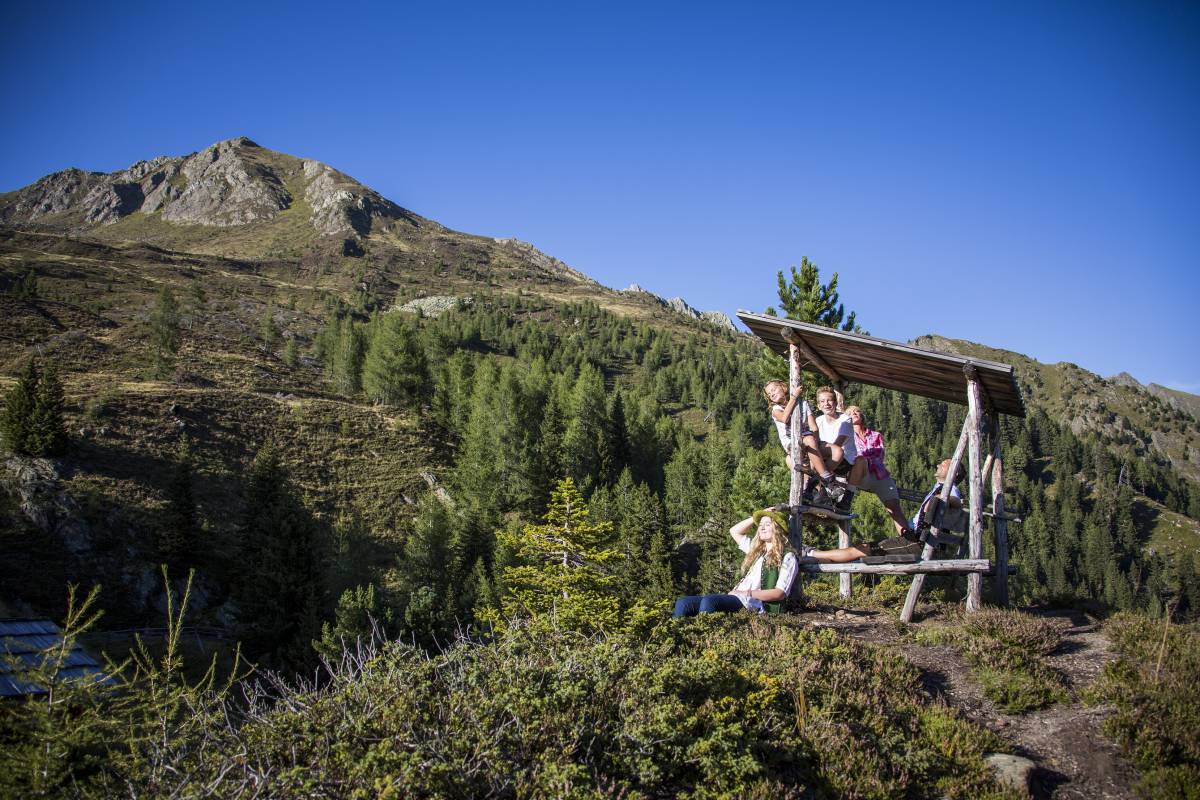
(999, 522)
(910, 601)
(975, 487)
(796, 491)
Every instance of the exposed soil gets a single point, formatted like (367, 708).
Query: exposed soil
(1074, 759)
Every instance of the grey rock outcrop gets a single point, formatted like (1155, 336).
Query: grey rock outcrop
(680, 306)
(531, 255)
(341, 206)
(53, 194)
(35, 483)
(226, 186)
(433, 306)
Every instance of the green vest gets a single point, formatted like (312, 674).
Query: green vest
(770, 576)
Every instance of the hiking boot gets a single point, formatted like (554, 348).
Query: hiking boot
(821, 499)
(847, 499)
(835, 491)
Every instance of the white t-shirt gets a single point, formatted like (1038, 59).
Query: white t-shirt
(784, 429)
(753, 578)
(831, 429)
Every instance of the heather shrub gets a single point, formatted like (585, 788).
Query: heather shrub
(1154, 687)
(725, 707)
(1006, 650)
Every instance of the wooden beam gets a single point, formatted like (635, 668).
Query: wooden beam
(941, 566)
(910, 601)
(1000, 526)
(794, 340)
(796, 490)
(975, 476)
(844, 588)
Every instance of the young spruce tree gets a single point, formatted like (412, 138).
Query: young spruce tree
(564, 572)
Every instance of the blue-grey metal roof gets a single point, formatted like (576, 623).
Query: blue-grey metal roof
(26, 643)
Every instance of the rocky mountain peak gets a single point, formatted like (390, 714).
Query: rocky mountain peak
(230, 183)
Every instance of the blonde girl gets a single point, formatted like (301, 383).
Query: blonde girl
(767, 570)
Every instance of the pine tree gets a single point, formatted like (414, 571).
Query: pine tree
(347, 363)
(805, 299)
(584, 437)
(282, 579)
(291, 352)
(358, 618)
(268, 329)
(565, 567)
(47, 429)
(164, 333)
(395, 372)
(178, 529)
(19, 404)
(425, 574)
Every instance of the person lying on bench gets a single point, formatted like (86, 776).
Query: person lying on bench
(940, 481)
(766, 575)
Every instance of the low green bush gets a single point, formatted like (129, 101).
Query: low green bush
(1005, 650)
(1154, 687)
(722, 706)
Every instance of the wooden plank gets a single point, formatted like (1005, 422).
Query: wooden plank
(975, 484)
(940, 566)
(910, 600)
(1000, 527)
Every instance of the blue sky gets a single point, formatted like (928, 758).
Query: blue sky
(1026, 175)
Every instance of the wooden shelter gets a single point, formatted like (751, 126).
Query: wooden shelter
(988, 388)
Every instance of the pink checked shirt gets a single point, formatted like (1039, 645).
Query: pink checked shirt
(870, 447)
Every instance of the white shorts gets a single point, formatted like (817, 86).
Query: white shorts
(885, 489)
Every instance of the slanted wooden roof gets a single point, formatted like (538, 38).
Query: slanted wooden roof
(891, 365)
(23, 645)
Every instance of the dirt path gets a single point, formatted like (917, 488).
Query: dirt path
(1074, 759)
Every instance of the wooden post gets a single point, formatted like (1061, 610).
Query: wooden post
(844, 587)
(975, 474)
(797, 426)
(910, 602)
(1000, 523)
(796, 491)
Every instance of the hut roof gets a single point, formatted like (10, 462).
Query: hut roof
(23, 645)
(891, 365)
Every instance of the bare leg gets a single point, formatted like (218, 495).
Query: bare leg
(813, 451)
(840, 555)
(893, 507)
(858, 471)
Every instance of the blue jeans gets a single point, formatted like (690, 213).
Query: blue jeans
(692, 605)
